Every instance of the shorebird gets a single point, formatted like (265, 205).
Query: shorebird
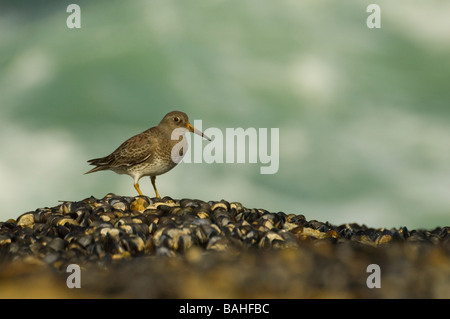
(149, 153)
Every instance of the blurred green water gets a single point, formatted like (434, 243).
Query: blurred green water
(363, 114)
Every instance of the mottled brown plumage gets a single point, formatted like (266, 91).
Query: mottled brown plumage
(150, 152)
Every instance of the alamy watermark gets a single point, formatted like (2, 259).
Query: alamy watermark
(374, 279)
(236, 145)
(74, 19)
(74, 279)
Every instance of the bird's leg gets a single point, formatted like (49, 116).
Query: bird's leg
(136, 185)
(153, 179)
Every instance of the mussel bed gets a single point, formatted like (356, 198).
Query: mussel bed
(166, 248)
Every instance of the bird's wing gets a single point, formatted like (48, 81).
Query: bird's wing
(133, 151)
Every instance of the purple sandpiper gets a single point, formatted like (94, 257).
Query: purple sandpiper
(149, 153)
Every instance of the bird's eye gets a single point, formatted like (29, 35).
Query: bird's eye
(176, 119)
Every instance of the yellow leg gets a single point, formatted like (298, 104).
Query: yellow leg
(137, 188)
(153, 179)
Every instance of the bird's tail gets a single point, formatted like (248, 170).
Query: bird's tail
(101, 164)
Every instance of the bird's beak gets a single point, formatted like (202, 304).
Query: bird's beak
(194, 130)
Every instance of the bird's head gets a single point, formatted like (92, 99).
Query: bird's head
(177, 119)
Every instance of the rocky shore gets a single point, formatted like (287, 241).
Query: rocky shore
(140, 247)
